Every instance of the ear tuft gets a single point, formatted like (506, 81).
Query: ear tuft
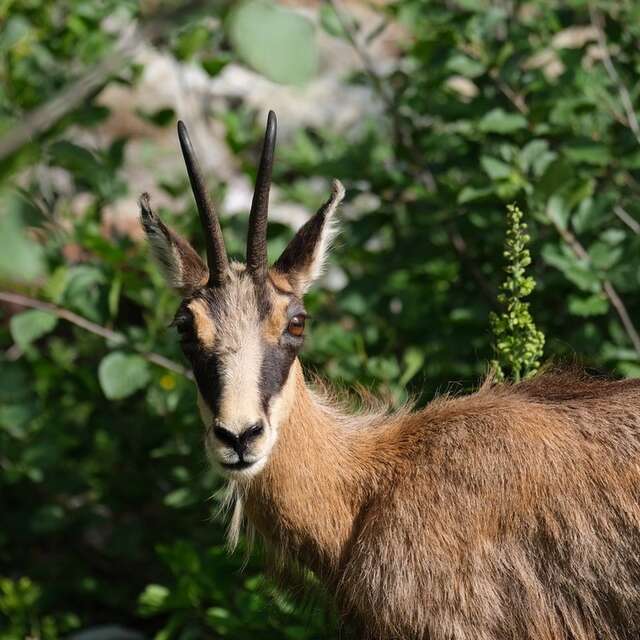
(329, 231)
(337, 191)
(182, 267)
(304, 258)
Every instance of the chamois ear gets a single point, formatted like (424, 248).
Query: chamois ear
(182, 267)
(303, 259)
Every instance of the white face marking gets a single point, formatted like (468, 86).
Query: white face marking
(240, 368)
(232, 333)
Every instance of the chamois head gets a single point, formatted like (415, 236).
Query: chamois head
(241, 325)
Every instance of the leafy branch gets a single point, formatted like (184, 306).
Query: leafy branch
(597, 21)
(607, 287)
(108, 334)
(76, 92)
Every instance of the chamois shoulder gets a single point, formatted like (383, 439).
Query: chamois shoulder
(574, 385)
(569, 387)
(544, 406)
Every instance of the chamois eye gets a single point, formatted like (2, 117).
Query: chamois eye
(296, 325)
(184, 326)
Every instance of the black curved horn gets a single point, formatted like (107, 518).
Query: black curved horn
(216, 252)
(257, 234)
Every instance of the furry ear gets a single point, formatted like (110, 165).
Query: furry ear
(303, 259)
(182, 267)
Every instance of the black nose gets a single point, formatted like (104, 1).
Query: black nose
(239, 443)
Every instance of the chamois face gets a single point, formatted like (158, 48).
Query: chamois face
(241, 326)
(241, 339)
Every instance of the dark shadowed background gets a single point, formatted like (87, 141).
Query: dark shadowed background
(435, 115)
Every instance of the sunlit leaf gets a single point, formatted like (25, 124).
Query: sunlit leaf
(275, 41)
(499, 121)
(122, 374)
(28, 326)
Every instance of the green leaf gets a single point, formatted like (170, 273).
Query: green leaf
(153, 599)
(536, 157)
(495, 169)
(577, 271)
(465, 66)
(191, 40)
(21, 259)
(84, 291)
(15, 29)
(413, 361)
(604, 256)
(159, 117)
(76, 159)
(595, 305)
(596, 154)
(179, 498)
(28, 326)
(629, 369)
(215, 64)
(558, 211)
(331, 22)
(276, 42)
(122, 374)
(383, 368)
(469, 194)
(499, 121)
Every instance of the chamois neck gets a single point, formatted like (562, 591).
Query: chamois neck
(306, 500)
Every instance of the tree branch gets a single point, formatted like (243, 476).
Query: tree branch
(92, 327)
(631, 222)
(609, 290)
(402, 136)
(597, 22)
(73, 95)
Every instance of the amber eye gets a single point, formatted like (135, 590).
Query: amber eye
(296, 325)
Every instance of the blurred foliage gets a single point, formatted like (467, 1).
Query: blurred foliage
(106, 494)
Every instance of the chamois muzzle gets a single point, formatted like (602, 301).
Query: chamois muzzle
(240, 443)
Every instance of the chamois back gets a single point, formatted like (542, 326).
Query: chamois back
(511, 513)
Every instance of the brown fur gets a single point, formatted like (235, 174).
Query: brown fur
(510, 513)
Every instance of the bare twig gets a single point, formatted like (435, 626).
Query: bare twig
(516, 99)
(609, 290)
(402, 136)
(597, 22)
(417, 168)
(108, 334)
(72, 96)
(631, 222)
(347, 26)
(69, 98)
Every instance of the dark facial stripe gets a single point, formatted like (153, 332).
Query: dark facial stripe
(208, 379)
(276, 362)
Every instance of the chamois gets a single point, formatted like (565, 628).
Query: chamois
(511, 513)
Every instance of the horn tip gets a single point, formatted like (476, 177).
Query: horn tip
(272, 123)
(183, 134)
